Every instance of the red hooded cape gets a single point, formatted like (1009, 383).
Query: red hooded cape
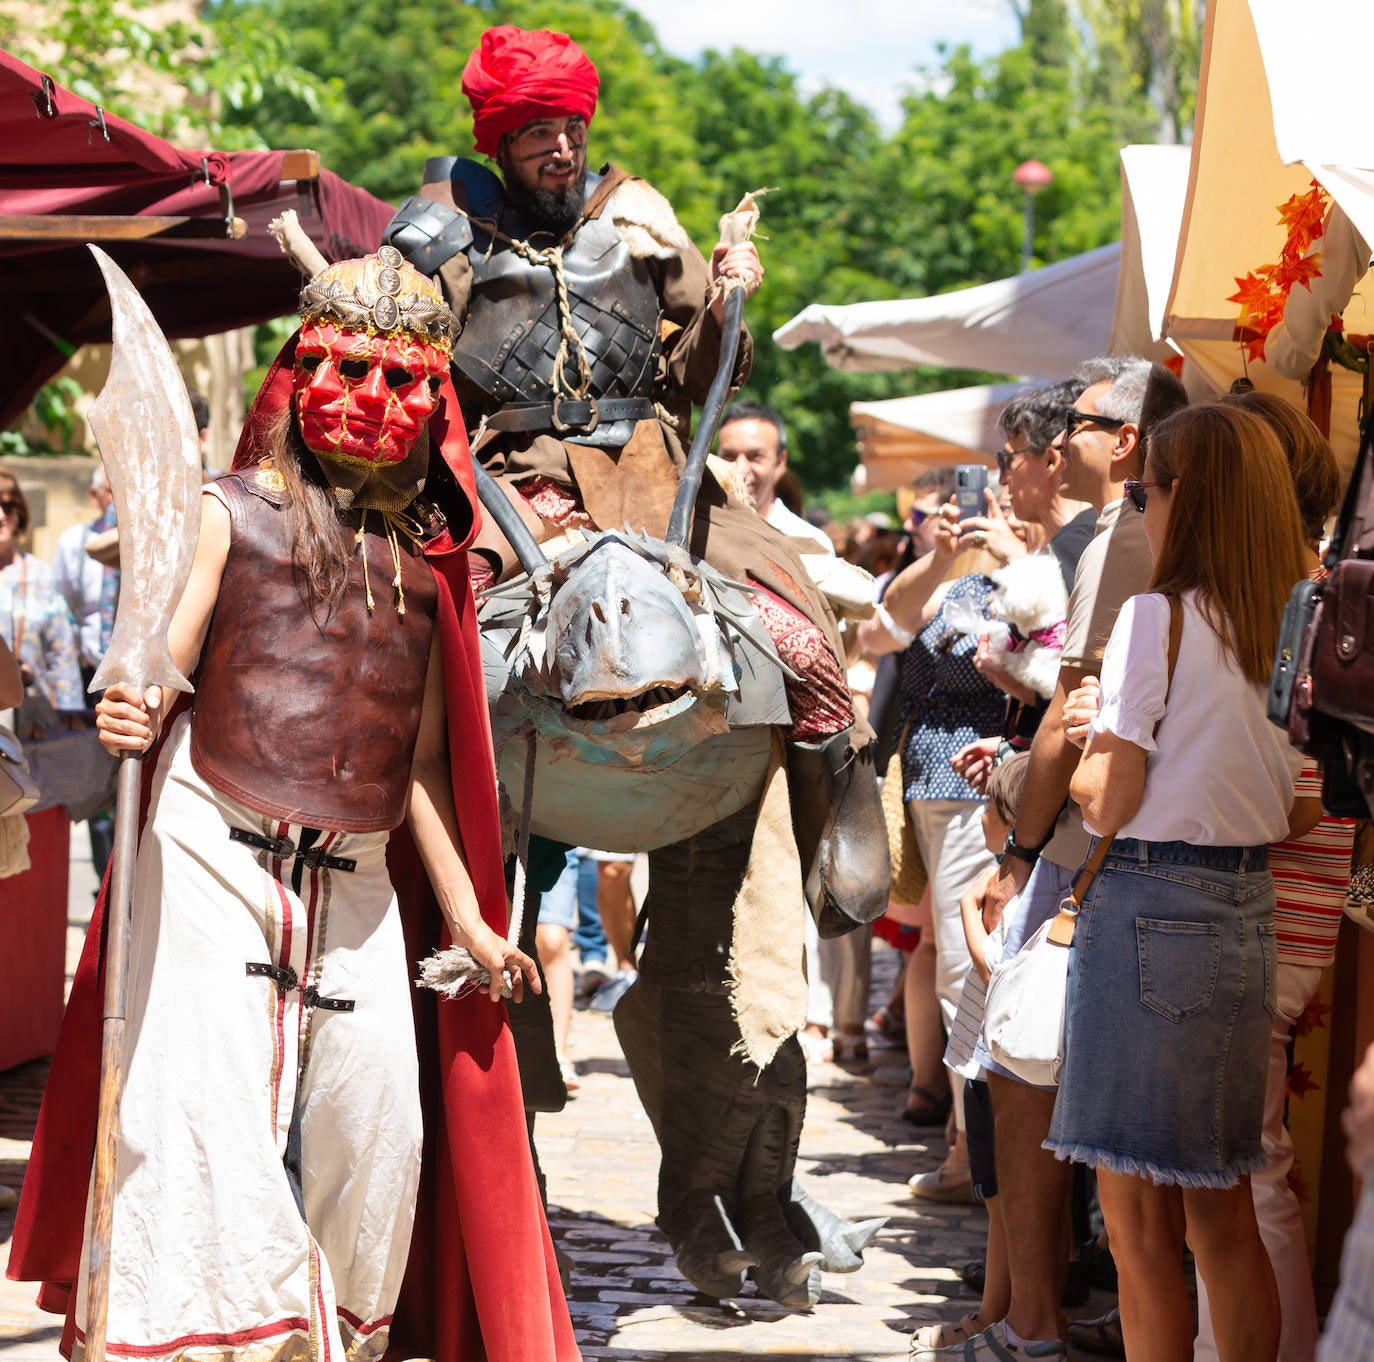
(482, 1284)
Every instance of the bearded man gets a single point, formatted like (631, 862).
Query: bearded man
(591, 326)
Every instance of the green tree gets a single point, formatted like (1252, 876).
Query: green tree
(173, 77)
(1157, 46)
(375, 87)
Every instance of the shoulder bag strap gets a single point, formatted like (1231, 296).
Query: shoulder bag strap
(1061, 931)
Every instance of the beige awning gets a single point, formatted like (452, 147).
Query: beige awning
(1283, 98)
(904, 436)
(1040, 324)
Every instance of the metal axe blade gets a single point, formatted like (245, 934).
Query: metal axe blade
(146, 431)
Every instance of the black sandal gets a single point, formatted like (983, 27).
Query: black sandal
(932, 1111)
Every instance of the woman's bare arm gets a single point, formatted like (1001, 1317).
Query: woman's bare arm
(434, 825)
(1109, 782)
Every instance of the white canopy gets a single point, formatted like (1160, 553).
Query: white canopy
(904, 436)
(1154, 184)
(1283, 99)
(900, 437)
(1040, 324)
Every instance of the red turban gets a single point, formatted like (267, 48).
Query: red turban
(518, 75)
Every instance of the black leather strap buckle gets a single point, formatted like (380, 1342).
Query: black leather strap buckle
(582, 415)
(284, 849)
(571, 406)
(283, 976)
(318, 859)
(287, 979)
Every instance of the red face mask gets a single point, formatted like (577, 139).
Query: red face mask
(361, 396)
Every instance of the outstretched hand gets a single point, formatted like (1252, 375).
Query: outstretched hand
(127, 721)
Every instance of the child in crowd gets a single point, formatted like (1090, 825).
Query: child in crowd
(1004, 789)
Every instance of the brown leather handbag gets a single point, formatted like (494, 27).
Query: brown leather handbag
(1343, 650)
(1331, 710)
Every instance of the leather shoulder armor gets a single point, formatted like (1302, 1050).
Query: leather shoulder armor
(428, 234)
(475, 187)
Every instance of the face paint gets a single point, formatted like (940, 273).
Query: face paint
(362, 396)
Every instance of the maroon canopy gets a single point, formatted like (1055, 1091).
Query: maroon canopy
(163, 213)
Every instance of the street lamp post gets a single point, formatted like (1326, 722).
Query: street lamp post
(1032, 176)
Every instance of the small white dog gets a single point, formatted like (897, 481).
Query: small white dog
(1026, 631)
(1030, 605)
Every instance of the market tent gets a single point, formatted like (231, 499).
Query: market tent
(1039, 324)
(1154, 184)
(899, 436)
(904, 436)
(1282, 100)
(189, 227)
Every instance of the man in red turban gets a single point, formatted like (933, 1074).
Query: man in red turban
(591, 328)
(516, 77)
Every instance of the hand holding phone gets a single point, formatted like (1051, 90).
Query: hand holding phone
(970, 482)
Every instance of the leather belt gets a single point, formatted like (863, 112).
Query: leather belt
(286, 979)
(284, 849)
(576, 414)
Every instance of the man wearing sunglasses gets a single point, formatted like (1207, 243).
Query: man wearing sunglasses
(1101, 445)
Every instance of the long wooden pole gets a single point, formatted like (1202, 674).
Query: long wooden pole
(117, 923)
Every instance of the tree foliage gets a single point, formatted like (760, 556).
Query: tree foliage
(856, 213)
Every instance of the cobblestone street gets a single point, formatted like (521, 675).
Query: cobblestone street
(628, 1301)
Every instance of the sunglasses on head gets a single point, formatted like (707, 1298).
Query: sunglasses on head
(1138, 492)
(1073, 418)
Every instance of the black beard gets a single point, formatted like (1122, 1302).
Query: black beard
(556, 214)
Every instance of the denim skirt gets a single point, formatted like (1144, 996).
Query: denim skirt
(1170, 1006)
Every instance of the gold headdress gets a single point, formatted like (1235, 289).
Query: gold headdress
(380, 293)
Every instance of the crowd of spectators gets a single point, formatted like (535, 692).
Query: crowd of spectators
(1191, 963)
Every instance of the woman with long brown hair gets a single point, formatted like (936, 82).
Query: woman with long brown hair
(1172, 971)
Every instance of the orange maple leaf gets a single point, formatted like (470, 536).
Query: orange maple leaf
(1314, 1017)
(1255, 292)
(1254, 349)
(1304, 215)
(1300, 1081)
(1299, 270)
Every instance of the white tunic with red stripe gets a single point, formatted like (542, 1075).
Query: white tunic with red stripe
(219, 1251)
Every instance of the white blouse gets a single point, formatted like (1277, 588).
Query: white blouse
(1218, 772)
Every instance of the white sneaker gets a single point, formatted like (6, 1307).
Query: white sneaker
(817, 1049)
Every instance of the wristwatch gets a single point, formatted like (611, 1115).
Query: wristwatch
(1028, 854)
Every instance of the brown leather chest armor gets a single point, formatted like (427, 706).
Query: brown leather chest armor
(512, 330)
(301, 714)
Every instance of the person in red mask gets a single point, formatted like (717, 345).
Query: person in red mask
(302, 847)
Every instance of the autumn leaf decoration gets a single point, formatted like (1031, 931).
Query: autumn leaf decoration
(1263, 293)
